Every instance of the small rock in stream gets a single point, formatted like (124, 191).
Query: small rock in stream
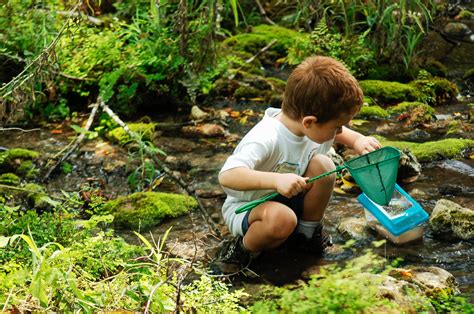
(458, 166)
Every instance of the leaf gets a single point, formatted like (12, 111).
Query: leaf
(4, 241)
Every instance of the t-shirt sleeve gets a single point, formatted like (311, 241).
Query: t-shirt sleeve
(250, 155)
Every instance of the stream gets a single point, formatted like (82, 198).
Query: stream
(198, 160)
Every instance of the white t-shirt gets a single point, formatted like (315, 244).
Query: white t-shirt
(269, 146)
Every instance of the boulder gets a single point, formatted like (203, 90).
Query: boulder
(451, 218)
(435, 282)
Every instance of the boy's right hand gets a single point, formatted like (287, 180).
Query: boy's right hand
(290, 184)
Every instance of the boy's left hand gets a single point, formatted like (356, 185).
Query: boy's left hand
(366, 144)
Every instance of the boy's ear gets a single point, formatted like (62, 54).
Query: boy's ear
(307, 121)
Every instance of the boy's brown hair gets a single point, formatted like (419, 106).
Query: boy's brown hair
(321, 87)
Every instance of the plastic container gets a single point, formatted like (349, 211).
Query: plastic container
(400, 221)
(412, 235)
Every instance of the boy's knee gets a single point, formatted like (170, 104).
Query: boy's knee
(320, 164)
(281, 222)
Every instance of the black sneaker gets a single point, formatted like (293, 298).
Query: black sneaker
(232, 257)
(319, 241)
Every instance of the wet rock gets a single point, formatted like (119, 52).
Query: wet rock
(452, 219)
(113, 165)
(458, 166)
(197, 113)
(353, 228)
(416, 135)
(456, 29)
(435, 282)
(455, 190)
(205, 130)
(408, 168)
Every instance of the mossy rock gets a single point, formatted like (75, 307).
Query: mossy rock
(28, 170)
(418, 112)
(9, 179)
(247, 92)
(36, 196)
(449, 217)
(7, 157)
(436, 150)
(145, 130)
(261, 36)
(435, 90)
(143, 210)
(385, 93)
(368, 112)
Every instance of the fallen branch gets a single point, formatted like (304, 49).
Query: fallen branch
(77, 141)
(211, 224)
(262, 12)
(270, 44)
(19, 129)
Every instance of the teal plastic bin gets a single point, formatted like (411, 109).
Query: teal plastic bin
(402, 214)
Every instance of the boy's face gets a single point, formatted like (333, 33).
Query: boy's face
(323, 132)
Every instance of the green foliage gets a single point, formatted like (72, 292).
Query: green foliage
(9, 179)
(333, 290)
(66, 167)
(211, 296)
(434, 90)
(350, 51)
(419, 112)
(142, 210)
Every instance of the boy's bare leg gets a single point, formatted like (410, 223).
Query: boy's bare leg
(319, 193)
(270, 224)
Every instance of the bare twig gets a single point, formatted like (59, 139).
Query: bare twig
(262, 12)
(19, 129)
(76, 143)
(270, 44)
(211, 224)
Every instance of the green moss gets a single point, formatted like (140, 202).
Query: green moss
(9, 179)
(389, 92)
(469, 73)
(145, 130)
(142, 210)
(28, 170)
(454, 127)
(466, 14)
(17, 153)
(419, 111)
(36, 196)
(261, 36)
(66, 167)
(429, 151)
(367, 112)
(245, 91)
(434, 90)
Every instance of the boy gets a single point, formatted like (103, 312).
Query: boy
(281, 153)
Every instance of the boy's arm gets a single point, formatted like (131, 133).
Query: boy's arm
(360, 143)
(245, 179)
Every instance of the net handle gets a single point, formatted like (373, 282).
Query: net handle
(250, 205)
